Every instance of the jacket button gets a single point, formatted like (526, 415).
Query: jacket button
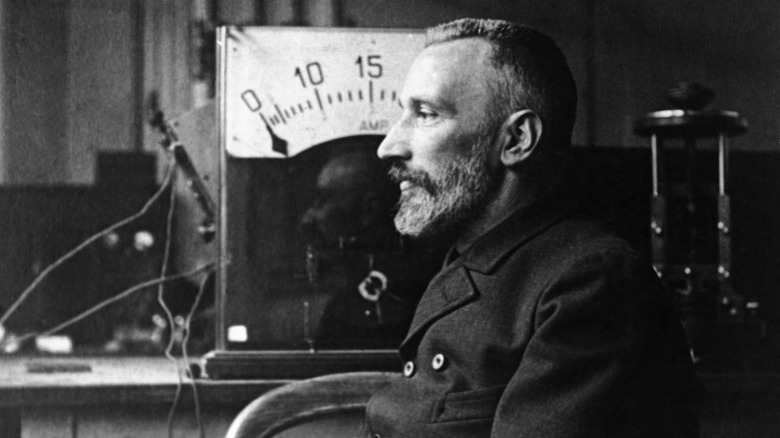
(438, 362)
(408, 369)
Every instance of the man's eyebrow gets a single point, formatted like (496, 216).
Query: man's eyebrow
(417, 102)
(441, 106)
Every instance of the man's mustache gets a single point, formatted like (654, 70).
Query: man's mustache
(400, 172)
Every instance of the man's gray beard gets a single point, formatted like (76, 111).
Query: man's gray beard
(451, 198)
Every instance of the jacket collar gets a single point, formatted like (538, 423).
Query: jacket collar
(521, 226)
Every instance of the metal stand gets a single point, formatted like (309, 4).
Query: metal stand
(691, 246)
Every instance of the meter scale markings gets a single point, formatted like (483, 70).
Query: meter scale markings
(283, 114)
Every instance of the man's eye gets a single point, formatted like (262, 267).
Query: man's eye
(425, 114)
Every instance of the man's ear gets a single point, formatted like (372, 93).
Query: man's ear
(520, 137)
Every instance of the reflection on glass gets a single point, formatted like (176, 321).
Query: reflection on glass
(316, 262)
(350, 236)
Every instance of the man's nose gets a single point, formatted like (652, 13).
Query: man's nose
(396, 143)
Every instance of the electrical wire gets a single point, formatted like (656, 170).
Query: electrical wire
(181, 371)
(168, 313)
(23, 296)
(118, 297)
(160, 281)
(185, 340)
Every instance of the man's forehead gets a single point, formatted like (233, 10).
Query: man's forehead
(461, 63)
(474, 48)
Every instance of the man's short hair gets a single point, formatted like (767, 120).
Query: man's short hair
(533, 72)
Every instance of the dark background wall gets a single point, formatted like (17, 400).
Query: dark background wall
(34, 66)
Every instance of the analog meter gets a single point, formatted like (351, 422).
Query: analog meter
(285, 90)
(313, 277)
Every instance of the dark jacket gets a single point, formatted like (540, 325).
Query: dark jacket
(548, 326)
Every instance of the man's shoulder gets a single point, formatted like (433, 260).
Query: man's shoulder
(578, 250)
(580, 259)
(553, 234)
(581, 235)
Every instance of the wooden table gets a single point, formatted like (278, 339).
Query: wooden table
(113, 397)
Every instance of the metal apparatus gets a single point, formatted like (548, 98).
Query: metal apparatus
(690, 219)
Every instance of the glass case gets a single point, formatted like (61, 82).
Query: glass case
(313, 278)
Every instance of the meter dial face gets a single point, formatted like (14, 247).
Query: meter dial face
(284, 90)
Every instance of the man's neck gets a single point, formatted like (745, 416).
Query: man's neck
(510, 197)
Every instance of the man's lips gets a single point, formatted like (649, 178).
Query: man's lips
(411, 180)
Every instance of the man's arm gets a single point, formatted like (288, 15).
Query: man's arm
(608, 358)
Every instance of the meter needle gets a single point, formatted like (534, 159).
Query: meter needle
(278, 144)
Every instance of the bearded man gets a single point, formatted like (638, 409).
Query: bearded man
(542, 322)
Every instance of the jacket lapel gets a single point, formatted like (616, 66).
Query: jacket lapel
(520, 227)
(448, 290)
